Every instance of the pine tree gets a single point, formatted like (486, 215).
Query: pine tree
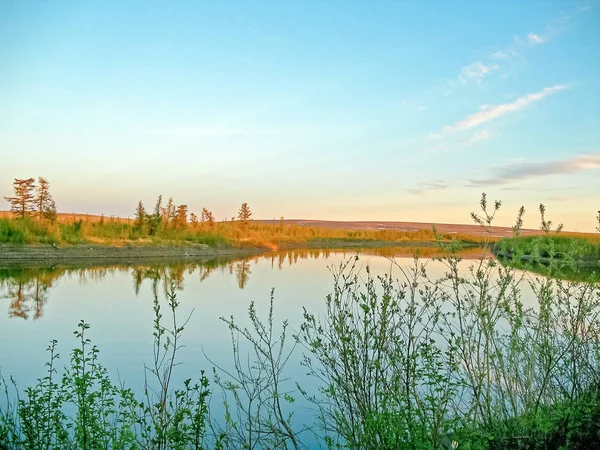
(44, 204)
(140, 216)
(154, 220)
(23, 203)
(169, 212)
(244, 213)
(180, 219)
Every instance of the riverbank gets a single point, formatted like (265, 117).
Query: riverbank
(84, 254)
(563, 257)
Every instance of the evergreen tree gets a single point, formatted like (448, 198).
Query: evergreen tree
(140, 216)
(244, 213)
(44, 204)
(169, 212)
(23, 203)
(180, 219)
(154, 220)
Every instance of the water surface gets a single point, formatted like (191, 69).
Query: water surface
(38, 304)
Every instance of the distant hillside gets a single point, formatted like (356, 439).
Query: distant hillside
(403, 226)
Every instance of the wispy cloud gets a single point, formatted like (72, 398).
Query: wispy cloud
(476, 72)
(533, 38)
(489, 113)
(424, 188)
(518, 171)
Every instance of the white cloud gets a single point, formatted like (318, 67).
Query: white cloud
(488, 113)
(476, 72)
(424, 188)
(535, 38)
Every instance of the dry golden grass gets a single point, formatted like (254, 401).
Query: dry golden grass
(273, 235)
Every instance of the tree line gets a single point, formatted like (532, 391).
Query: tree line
(35, 200)
(31, 199)
(172, 215)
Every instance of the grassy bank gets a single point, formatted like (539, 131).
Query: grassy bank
(117, 232)
(566, 257)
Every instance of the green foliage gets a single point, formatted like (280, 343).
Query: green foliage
(546, 225)
(10, 233)
(107, 415)
(257, 399)
(519, 223)
(23, 231)
(384, 381)
(556, 256)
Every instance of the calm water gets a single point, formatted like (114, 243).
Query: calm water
(37, 305)
(40, 304)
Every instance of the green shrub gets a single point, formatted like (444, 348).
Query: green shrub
(9, 234)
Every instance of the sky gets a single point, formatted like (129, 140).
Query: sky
(340, 110)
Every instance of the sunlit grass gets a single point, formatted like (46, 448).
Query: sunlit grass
(72, 230)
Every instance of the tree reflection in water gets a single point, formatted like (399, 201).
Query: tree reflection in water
(27, 288)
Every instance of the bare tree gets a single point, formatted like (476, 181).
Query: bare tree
(598, 219)
(23, 203)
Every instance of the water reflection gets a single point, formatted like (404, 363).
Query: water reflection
(27, 288)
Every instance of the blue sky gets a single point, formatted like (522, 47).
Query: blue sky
(348, 110)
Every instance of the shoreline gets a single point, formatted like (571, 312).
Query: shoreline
(84, 254)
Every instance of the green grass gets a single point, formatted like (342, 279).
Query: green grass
(552, 246)
(25, 231)
(565, 257)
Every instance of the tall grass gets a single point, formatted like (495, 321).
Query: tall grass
(222, 234)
